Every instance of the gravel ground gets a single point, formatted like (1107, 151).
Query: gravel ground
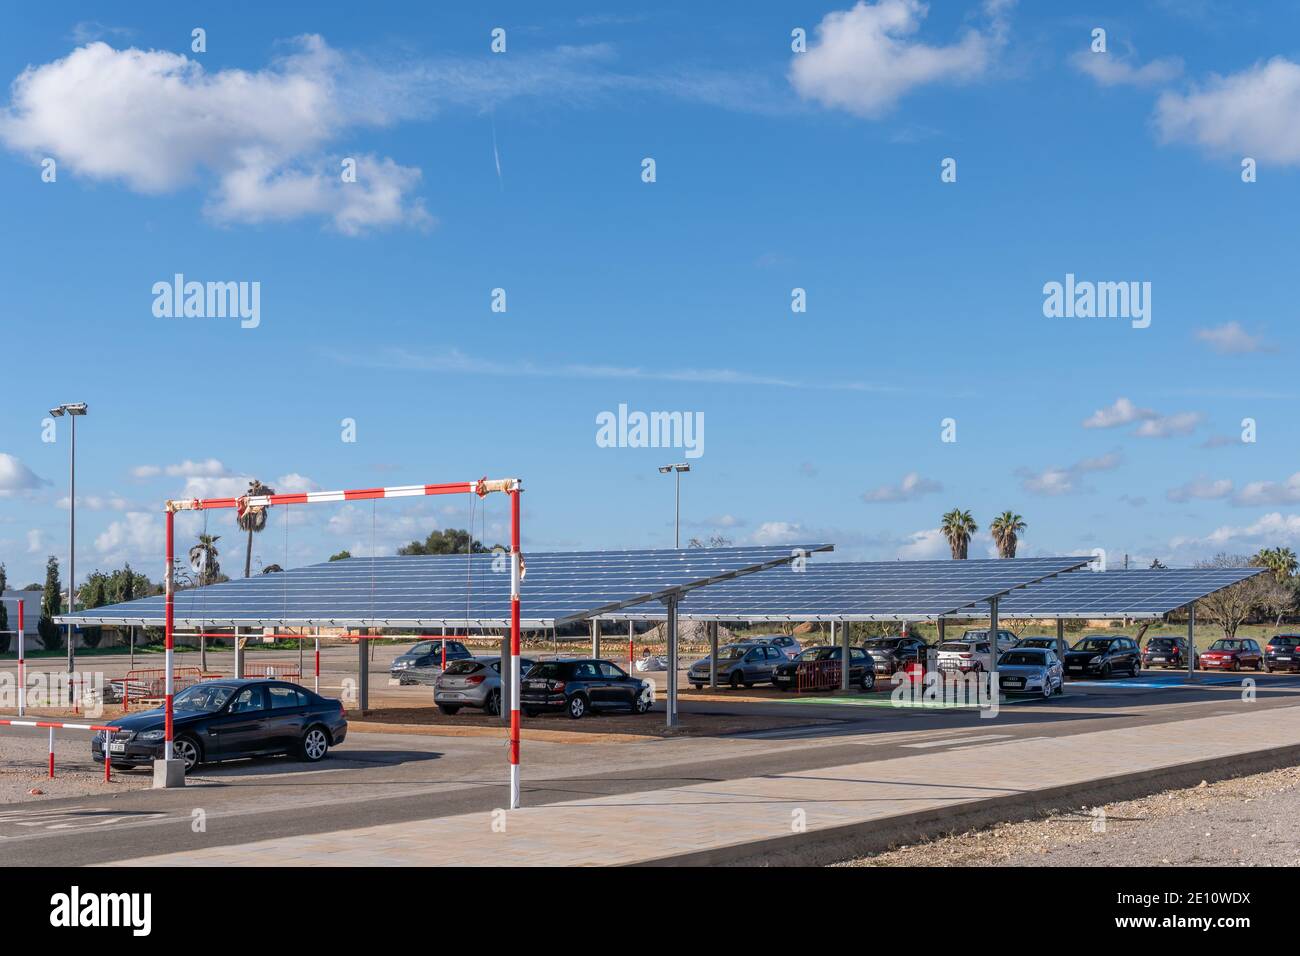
(1246, 821)
(24, 757)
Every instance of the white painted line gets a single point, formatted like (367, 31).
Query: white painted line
(958, 741)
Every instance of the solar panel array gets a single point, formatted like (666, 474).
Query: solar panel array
(1120, 594)
(859, 591)
(452, 590)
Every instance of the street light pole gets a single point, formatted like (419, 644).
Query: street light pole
(677, 469)
(73, 410)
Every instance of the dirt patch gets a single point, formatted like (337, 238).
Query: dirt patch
(1239, 822)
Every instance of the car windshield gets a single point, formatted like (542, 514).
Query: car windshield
(1093, 644)
(955, 646)
(1163, 643)
(1038, 642)
(424, 647)
(1226, 646)
(731, 653)
(886, 642)
(1022, 659)
(203, 698)
(1284, 641)
(549, 670)
(463, 667)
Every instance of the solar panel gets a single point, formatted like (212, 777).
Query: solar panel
(451, 590)
(1120, 594)
(859, 591)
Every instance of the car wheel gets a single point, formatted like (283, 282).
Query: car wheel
(735, 680)
(449, 709)
(868, 682)
(187, 749)
(642, 704)
(1267, 669)
(749, 684)
(493, 705)
(1137, 670)
(314, 745)
(1105, 671)
(530, 712)
(1236, 664)
(698, 686)
(578, 707)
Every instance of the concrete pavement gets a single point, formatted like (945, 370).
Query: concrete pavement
(807, 815)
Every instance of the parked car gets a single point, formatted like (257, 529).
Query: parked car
(423, 663)
(1057, 645)
(895, 653)
(784, 642)
(1166, 652)
(1282, 653)
(1031, 670)
(228, 719)
(473, 682)
(579, 687)
(1103, 655)
(964, 655)
(1233, 654)
(739, 665)
(1006, 639)
(862, 671)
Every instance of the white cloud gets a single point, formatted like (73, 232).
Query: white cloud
(36, 541)
(1109, 69)
(1123, 412)
(293, 484)
(1255, 112)
(912, 486)
(159, 122)
(138, 534)
(1271, 530)
(779, 532)
(1200, 489)
(925, 545)
(17, 478)
(1270, 492)
(864, 61)
(146, 471)
(1165, 426)
(109, 502)
(1067, 480)
(1231, 339)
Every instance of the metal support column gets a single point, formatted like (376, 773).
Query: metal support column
(363, 676)
(993, 647)
(670, 628)
(844, 653)
(1191, 641)
(713, 655)
(595, 638)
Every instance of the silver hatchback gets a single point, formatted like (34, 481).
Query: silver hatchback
(475, 682)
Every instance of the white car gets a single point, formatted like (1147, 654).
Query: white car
(972, 654)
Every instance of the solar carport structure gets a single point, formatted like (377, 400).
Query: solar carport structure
(1148, 594)
(842, 592)
(461, 591)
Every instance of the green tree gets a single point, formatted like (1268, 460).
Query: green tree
(51, 634)
(1006, 530)
(449, 541)
(957, 527)
(341, 556)
(94, 594)
(253, 520)
(204, 560)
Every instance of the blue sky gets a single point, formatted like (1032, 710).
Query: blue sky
(775, 170)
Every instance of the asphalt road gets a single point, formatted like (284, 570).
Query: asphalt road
(389, 778)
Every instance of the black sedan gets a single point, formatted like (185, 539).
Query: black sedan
(895, 653)
(581, 687)
(228, 719)
(1103, 656)
(862, 670)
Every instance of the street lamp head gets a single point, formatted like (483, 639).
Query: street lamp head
(663, 469)
(57, 412)
(70, 408)
(669, 469)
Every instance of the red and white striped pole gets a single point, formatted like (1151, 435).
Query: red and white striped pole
(169, 620)
(318, 663)
(515, 682)
(22, 661)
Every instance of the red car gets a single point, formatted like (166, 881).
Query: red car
(1233, 654)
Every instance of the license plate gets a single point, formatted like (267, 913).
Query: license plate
(1159, 660)
(1014, 683)
(1279, 657)
(117, 747)
(1076, 667)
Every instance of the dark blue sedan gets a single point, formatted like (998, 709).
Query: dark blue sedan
(229, 719)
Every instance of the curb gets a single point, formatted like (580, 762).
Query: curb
(820, 847)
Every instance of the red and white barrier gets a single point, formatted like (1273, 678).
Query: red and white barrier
(512, 487)
(65, 725)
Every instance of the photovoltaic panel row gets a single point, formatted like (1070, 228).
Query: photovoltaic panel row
(860, 591)
(453, 590)
(1118, 594)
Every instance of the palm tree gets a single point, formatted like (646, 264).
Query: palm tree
(203, 558)
(1006, 529)
(253, 520)
(957, 527)
(1281, 561)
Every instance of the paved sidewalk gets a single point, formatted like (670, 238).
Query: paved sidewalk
(660, 824)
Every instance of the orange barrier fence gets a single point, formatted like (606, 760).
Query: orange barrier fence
(817, 675)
